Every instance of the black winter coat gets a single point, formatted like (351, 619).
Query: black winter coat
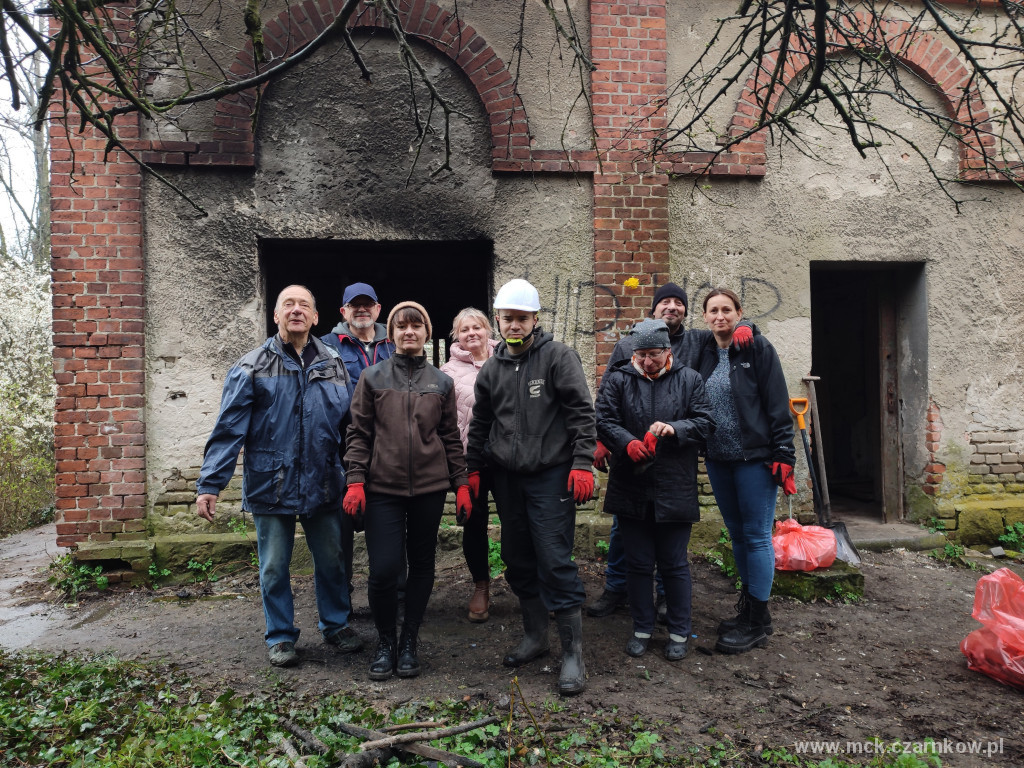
(761, 397)
(627, 404)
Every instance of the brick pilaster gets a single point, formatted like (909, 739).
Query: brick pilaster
(98, 331)
(629, 47)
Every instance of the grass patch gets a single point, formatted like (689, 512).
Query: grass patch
(105, 713)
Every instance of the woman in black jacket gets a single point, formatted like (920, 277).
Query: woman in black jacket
(403, 454)
(654, 417)
(750, 452)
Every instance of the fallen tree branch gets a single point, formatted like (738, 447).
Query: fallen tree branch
(410, 726)
(307, 738)
(293, 755)
(448, 758)
(440, 733)
(368, 759)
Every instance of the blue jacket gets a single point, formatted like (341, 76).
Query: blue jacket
(292, 424)
(341, 340)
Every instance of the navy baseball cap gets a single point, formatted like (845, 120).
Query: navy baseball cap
(359, 289)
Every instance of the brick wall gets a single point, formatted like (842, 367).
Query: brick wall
(997, 461)
(629, 47)
(98, 335)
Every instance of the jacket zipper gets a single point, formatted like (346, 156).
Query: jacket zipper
(409, 409)
(515, 440)
(302, 430)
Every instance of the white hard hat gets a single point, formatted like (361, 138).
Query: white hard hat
(517, 294)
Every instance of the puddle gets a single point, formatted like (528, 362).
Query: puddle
(23, 625)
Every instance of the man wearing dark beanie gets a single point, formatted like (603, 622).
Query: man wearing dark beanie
(669, 304)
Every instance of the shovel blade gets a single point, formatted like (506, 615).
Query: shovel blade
(846, 550)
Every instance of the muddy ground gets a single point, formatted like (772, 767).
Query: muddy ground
(888, 667)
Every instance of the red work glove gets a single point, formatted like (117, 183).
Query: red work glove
(581, 484)
(638, 452)
(742, 337)
(355, 500)
(601, 457)
(784, 477)
(463, 504)
(651, 442)
(474, 484)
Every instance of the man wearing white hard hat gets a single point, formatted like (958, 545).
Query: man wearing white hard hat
(534, 426)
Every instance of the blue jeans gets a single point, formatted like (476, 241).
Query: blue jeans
(745, 493)
(538, 528)
(275, 539)
(646, 543)
(615, 569)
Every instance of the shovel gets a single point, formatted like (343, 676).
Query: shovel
(845, 548)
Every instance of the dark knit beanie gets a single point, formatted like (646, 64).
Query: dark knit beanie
(670, 290)
(651, 334)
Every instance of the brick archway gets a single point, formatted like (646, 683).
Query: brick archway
(922, 52)
(234, 141)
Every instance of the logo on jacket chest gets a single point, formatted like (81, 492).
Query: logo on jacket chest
(534, 387)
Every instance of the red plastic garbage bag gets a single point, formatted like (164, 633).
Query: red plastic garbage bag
(802, 547)
(997, 650)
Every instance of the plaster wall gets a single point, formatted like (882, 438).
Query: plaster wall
(692, 26)
(548, 83)
(334, 160)
(828, 204)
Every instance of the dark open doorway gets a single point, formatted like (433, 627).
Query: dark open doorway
(869, 333)
(443, 276)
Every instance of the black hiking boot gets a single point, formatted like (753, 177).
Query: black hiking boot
(750, 633)
(383, 665)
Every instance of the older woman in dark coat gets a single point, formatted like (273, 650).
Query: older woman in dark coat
(654, 417)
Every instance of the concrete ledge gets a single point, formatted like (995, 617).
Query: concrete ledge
(229, 551)
(913, 543)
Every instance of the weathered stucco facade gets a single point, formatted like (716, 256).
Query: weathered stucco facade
(863, 275)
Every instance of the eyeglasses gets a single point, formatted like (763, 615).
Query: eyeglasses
(650, 355)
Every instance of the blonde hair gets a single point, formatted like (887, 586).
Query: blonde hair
(469, 313)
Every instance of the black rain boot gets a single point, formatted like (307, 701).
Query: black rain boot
(742, 605)
(535, 634)
(383, 665)
(573, 677)
(750, 633)
(408, 664)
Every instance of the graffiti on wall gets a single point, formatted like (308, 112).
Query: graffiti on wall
(568, 322)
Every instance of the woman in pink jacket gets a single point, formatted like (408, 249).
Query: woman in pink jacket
(473, 345)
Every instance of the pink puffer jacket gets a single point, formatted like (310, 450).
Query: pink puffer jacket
(463, 370)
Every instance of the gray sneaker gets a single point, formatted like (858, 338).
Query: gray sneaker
(284, 655)
(345, 640)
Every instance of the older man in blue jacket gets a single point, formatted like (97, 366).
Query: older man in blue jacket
(286, 402)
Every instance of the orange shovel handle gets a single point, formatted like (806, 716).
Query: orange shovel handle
(798, 406)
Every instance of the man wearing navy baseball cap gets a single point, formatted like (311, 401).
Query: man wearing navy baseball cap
(359, 338)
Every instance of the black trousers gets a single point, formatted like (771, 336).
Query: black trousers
(392, 521)
(538, 529)
(648, 543)
(474, 533)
